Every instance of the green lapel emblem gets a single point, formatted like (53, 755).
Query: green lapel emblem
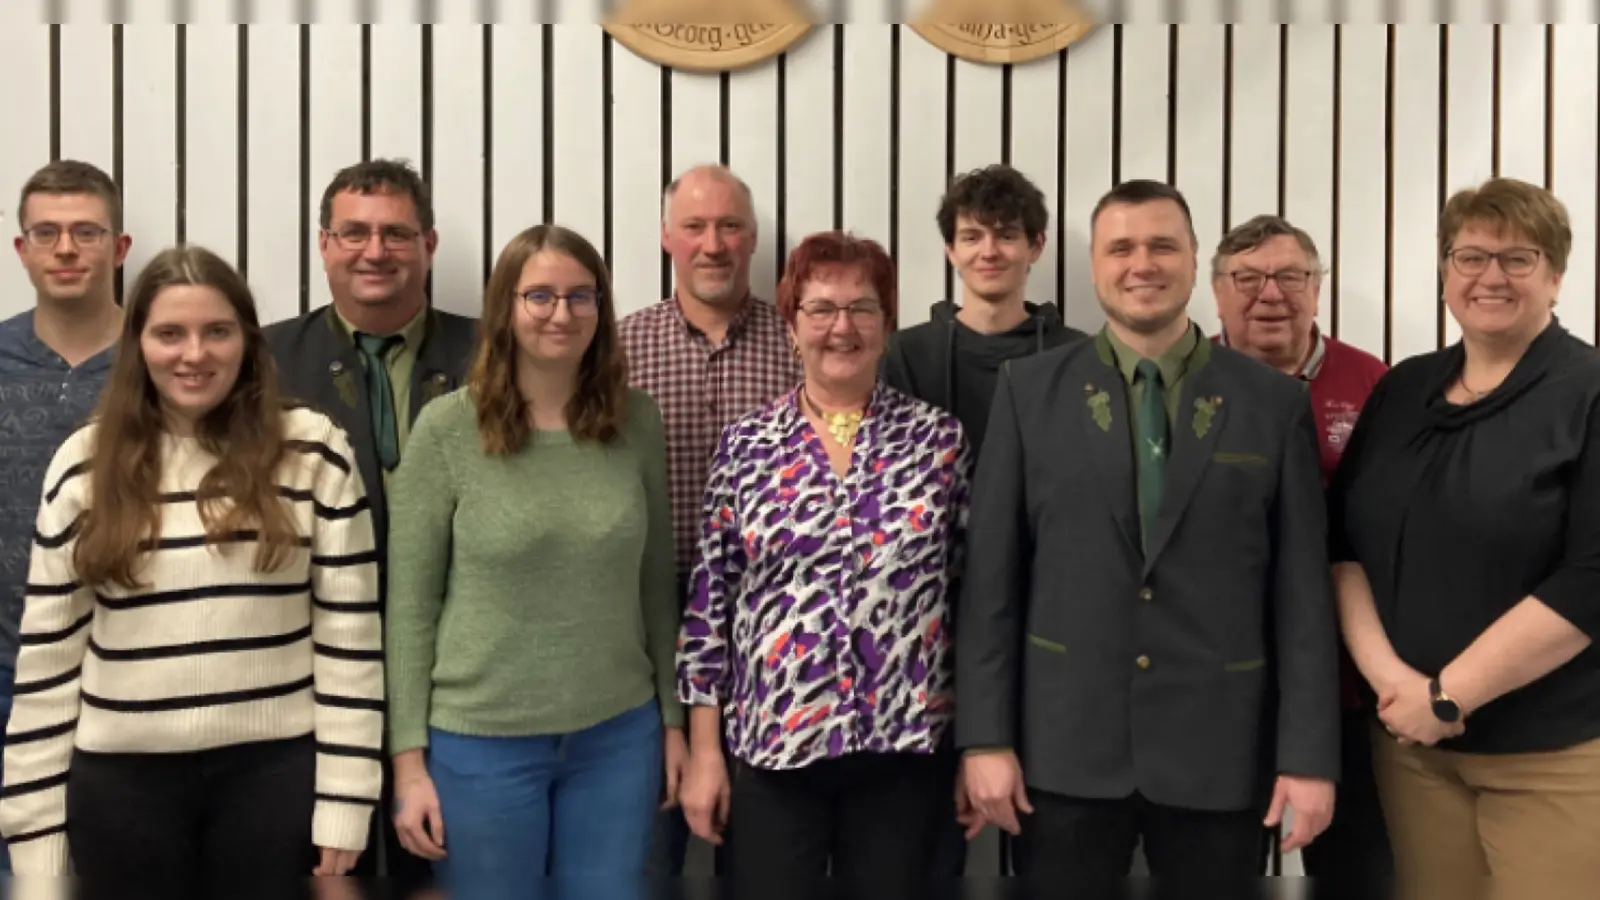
(346, 383)
(435, 387)
(1205, 408)
(1099, 407)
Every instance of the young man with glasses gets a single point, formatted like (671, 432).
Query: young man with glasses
(372, 359)
(54, 359)
(1267, 278)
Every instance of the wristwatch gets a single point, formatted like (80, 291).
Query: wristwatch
(1444, 706)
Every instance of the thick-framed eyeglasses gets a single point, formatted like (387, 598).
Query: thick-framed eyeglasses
(862, 313)
(84, 234)
(1515, 262)
(542, 302)
(1290, 281)
(354, 236)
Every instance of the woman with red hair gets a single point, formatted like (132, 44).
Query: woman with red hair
(815, 645)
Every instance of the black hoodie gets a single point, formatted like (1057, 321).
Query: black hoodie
(945, 363)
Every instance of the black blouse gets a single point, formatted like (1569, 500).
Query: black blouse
(1459, 512)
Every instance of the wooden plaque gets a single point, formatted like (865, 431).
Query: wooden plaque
(708, 35)
(1034, 28)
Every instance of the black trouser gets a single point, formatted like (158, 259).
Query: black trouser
(1088, 845)
(870, 820)
(1354, 851)
(232, 822)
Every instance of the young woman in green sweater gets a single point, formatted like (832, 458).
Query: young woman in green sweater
(532, 615)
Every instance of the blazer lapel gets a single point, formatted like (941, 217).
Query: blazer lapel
(1202, 415)
(342, 393)
(1103, 416)
(430, 377)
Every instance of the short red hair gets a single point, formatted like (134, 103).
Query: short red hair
(822, 254)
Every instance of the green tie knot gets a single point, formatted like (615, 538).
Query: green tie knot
(1149, 371)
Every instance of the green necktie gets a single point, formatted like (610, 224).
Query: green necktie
(380, 396)
(1151, 437)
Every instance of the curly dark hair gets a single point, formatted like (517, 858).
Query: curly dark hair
(994, 196)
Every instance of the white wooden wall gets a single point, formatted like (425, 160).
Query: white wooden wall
(225, 134)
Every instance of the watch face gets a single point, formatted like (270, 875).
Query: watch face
(1446, 710)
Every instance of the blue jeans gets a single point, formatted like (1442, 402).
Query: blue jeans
(576, 808)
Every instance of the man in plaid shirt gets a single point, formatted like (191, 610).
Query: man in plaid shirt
(708, 354)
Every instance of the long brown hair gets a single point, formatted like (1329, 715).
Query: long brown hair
(244, 432)
(598, 405)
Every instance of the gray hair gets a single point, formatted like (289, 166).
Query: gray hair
(1249, 235)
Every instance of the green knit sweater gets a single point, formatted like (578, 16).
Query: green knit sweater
(533, 593)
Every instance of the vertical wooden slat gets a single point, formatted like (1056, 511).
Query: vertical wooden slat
(753, 156)
(696, 118)
(1469, 138)
(516, 138)
(1143, 110)
(866, 131)
(335, 123)
(579, 166)
(1521, 129)
(272, 122)
(149, 186)
(978, 115)
(808, 155)
(1308, 156)
(1414, 299)
(212, 157)
(86, 86)
(395, 110)
(923, 108)
(1198, 150)
(1253, 148)
(1362, 252)
(1087, 165)
(636, 179)
(457, 156)
(1035, 136)
(1576, 134)
(27, 145)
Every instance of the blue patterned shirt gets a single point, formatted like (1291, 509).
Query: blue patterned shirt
(42, 401)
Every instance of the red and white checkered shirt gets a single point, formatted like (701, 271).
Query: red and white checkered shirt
(701, 389)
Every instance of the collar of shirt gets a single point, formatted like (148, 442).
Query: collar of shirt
(736, 325)
(1173, 361)
(1313, 364)
(20, 340)
(411, 333)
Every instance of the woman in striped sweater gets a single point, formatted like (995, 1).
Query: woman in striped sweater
(199, 691)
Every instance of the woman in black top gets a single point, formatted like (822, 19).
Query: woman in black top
(1465, 520)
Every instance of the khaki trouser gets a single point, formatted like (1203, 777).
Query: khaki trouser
(1529, 820)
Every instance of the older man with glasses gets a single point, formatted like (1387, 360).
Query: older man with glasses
(1267, 278)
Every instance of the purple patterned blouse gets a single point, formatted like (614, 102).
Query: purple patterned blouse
(818, 608)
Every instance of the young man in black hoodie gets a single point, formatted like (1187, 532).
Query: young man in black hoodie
(993, 221)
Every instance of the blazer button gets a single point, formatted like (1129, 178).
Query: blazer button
(1143, 662)
(1147, 595)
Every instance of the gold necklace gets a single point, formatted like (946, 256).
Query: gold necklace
(842, 425)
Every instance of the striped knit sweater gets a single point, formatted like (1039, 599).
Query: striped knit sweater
(211, 653)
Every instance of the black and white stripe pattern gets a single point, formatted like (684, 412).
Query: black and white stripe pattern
(210, 653)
